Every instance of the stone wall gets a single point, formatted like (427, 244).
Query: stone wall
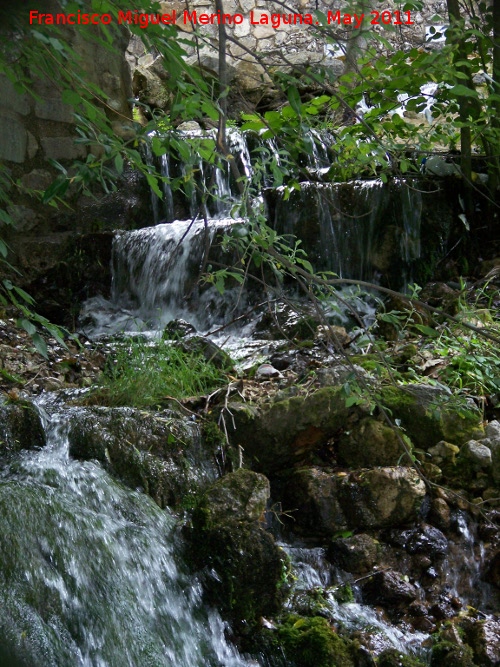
(258, 47)
(37, 126)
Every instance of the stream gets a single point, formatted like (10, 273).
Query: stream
(102, 584)
(93, 572)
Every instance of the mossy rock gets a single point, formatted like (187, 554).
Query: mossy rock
(289, 432)
(241, 495)
(159, 452)
(229, 540)
(393, 658)
(381, 497)
(448, 654)
(312, 641)
(430, 414)
(20, 427)
(371, 443)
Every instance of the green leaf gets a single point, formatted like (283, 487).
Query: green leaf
(70, 97)
(427, 331)
(119, 164)
(463, 91)
(153, 184)
(40, 345)
(27, 326)
(294, 99)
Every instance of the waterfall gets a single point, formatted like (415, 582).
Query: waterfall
(92, 573)
(362, 229)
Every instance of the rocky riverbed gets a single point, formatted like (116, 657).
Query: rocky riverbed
(396, 494)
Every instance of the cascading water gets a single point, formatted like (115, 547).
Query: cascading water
(362, 229)
(315, 573)
(91, 571)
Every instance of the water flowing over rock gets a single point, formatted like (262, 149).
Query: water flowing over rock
(101, 583)
(160, 452)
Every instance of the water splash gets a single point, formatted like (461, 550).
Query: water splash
(91, 573)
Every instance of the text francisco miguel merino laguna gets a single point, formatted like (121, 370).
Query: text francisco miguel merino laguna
(255, 18)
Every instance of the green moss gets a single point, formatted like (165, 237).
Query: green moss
(343, 594)
(430, 414)
(447, 654)
(312, 641)
(393, 658)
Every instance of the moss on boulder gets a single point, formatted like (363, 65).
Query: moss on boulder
(247, 570)
(312, 641)
(20, 427)
(159, 452)
(289, 432)
(430, 414)
(371, 442)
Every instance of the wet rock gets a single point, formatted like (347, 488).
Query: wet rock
(209, 350)
(427, 540)
(311, 494)
(477, 454)
(247, 570)
(178, 329)
(383, 497)
(371, 443)
(387, 588)
(20, 427)
(484, 638)
(443, 609)
(290, 431)
(157, 452)
(356, 554)
(430, 414)
(440, 514)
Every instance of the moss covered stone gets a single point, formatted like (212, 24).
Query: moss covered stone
(448, 654)
(382, 497)
(393, 658)
(312, 641)
(430, 414)
(290, 431)
(229, 540)
(159, 452)
(371, 443)
(20, 427)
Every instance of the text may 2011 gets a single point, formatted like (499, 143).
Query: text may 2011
(194, 17)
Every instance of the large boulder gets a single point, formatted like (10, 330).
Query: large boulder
(322, 503)
(288, 432)
(371, 442)
(310, 497)
(382, 497)
(387, 588)
(246, 570)
(356, 554)
(430, 414)
(484, 638)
